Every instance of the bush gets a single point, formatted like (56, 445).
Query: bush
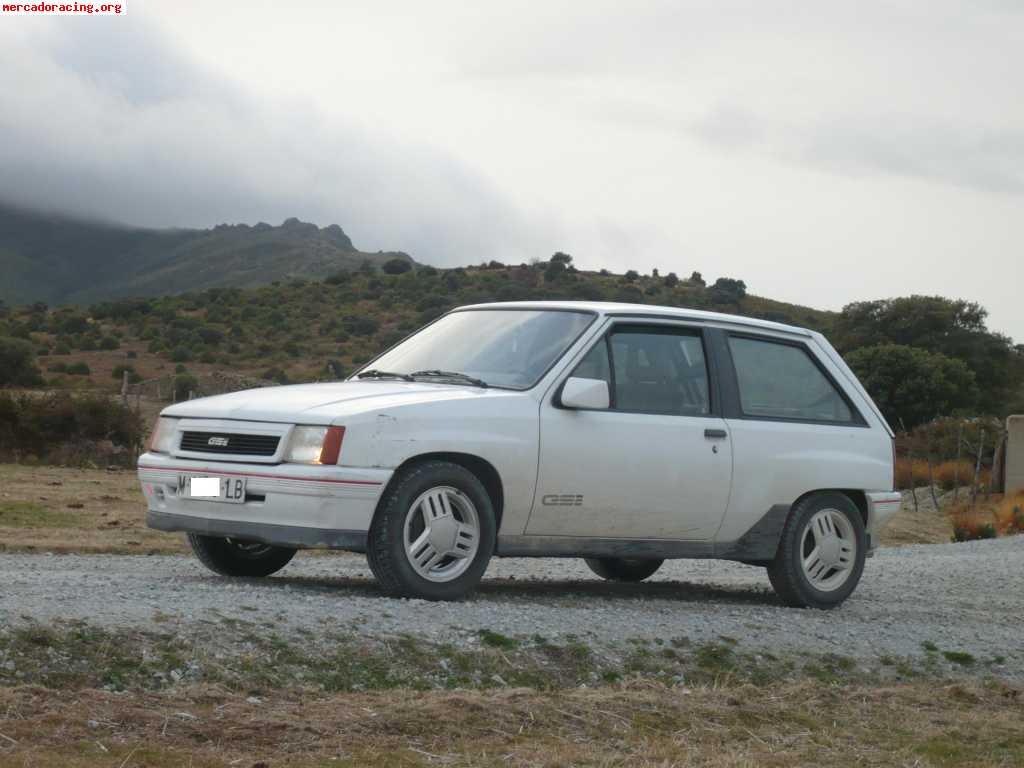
(119, 371)
(109, 342)
(360, 325)
(184, 384)
(277, 375)
(396, 266)
(181, 355)
(17, 363)
(59, 425)
(81, 368)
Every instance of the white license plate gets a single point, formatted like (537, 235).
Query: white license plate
(212, 488)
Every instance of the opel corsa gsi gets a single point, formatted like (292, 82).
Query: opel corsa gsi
(617, 433)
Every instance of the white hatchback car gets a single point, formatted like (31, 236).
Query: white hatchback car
(621, 434)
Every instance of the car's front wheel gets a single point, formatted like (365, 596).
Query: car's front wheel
(235, 557)
(433, 534)
(623, 568)
(821, 556)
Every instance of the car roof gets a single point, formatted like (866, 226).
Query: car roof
(645, 310)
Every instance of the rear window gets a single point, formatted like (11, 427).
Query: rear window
(782, 381)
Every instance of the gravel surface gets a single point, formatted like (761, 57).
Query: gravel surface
(961, 597)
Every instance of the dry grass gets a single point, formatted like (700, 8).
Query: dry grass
(987, 518)
(947, 474)
(640, 724)
(59, 509)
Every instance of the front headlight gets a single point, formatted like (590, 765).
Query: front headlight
(315, 445)
(162, 439)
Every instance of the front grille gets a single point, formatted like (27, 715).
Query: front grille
(229, 443)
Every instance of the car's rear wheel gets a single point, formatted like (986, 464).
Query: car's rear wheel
(821, 555)
(236, 557)
(433, 534)
(623, 568)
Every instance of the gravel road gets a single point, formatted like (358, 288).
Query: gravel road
(961, 597)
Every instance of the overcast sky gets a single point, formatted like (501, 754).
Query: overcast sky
(822, 152)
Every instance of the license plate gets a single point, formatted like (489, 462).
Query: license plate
(203, 488)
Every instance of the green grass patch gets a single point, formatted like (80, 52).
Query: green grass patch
(26, 514)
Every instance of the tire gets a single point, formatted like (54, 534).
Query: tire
(829, 521)
(439, 561)
(231, 557)
(622, 569)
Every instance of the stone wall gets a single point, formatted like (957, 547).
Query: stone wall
(1014, 454)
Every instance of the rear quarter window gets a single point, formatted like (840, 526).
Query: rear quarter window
(781, 381)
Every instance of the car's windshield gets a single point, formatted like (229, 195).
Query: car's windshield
(502, 347)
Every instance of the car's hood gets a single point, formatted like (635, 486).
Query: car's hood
(322, 403)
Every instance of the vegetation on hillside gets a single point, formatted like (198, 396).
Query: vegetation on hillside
(920, 357)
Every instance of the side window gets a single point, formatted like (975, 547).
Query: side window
(782, 381)
(653, 370)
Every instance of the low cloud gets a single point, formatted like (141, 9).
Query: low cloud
(110, 121)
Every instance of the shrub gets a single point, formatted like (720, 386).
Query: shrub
(81, 368)
(61, 426)
(109, 342)
(396, 266)
(360, 325)
(181, 355)
(277, 375)
(119, 371)
(945, 474)
(184, 384)
(17, 363)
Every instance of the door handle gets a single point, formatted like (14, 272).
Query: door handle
(715, 433)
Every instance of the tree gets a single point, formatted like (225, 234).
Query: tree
(726, 290)
(697, 279)
(911, 384)
(17, 363)
(554, 271)
(671, 280)
(396, 266)
(951, 327)
(563, 258)
(631, 275)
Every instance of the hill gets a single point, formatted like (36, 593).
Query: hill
(60, 260)
(291, 330)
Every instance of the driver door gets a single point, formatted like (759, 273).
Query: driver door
(657, 464)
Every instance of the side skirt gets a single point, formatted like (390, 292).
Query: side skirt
(759, 543)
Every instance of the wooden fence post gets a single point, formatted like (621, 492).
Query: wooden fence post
(977, 466)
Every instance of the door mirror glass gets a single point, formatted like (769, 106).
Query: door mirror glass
(585, 393)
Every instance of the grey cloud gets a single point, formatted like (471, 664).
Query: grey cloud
(121, 126)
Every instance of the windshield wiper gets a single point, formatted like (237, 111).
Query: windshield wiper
(434, 373)
(373, 373)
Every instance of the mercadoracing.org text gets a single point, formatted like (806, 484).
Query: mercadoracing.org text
(63, 9)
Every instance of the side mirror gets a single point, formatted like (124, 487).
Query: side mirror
(585, 393)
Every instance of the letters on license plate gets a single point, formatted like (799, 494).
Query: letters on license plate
(212, 488)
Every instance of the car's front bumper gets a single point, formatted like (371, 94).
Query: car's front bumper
(292, 505)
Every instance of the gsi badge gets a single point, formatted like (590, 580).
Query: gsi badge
(220, 442)
(562, 500)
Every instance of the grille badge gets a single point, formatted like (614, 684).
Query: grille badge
(221, 442)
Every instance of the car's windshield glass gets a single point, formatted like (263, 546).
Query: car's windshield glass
(502, 347)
